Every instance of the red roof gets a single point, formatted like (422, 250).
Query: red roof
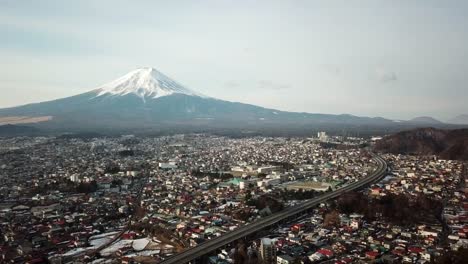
(36, 260)
(465, 206)
(60, 222)
(415, 250)
(325, 252)
(399, 252)
(372, 253)
(129, 235)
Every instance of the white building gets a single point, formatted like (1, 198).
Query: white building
(284, 259)
(74, 178)
(268, 251)
(322, 136)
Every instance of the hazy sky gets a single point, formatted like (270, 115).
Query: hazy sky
(396, 59)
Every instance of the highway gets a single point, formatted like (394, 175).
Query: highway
(202, 249)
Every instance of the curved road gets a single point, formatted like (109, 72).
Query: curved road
(213, 244)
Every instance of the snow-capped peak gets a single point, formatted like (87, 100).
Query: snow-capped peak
(145, 83)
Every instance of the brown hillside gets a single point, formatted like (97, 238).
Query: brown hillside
(448, 144)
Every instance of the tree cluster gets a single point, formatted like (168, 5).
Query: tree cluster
(399, 209)
(332, 219)
(112, 168)
(87, 187)
(265, 201)
(453, 257)
(127, 153)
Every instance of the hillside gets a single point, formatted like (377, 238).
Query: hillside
(447, 144)
(17, 130)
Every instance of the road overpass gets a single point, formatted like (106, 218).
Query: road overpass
(204, 248)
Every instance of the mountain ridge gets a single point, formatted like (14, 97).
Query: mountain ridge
(447, 144)
(425, 120)
(146, 98)
(460, 120)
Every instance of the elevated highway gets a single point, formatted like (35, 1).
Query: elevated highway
(201, 250)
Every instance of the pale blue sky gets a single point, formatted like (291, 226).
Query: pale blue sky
(396, 59)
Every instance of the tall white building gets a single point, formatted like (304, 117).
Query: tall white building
(322, 136)
(74, 178)
(268, 251)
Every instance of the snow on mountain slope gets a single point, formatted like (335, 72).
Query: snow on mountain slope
(146, 98)
(144, 83)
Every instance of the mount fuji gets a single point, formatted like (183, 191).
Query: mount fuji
(147, 99)
(144, 83)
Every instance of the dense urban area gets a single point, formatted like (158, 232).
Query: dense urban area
(128, 199)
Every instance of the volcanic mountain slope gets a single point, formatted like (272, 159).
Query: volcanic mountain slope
(146, 98)
(18, 130)
(144, 83)
(448, 144)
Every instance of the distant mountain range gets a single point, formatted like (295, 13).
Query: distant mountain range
(448, 144)
(460, 120)
(146, 99)
(427, 120)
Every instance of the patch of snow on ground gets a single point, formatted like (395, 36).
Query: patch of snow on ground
(148, 253)
(103, 261)
(95, 243)
(115, 247)
(140, 244)
(73, 252)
